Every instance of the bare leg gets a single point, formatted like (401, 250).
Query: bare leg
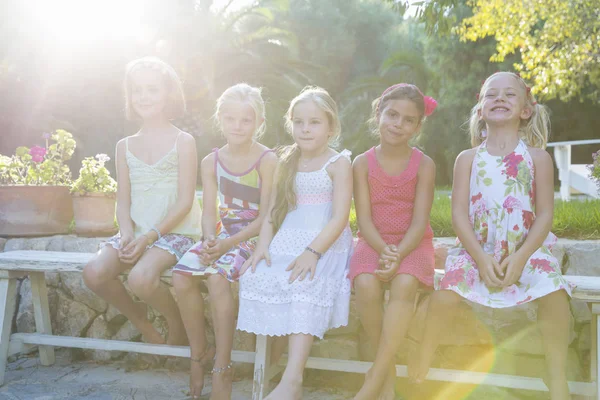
(101, 275)
(191, 306)
(290, 386)
(277, 348)
(443, 306)
(221, 302)
(369, 305)
(144, 281)
(395, 325)
(553, 321)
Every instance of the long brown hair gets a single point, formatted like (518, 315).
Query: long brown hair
(285, 199)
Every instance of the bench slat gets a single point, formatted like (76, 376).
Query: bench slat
(116, 345)
(48, 261)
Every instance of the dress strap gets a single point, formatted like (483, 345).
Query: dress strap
(371, 159)
(127, 144)
(344, 153)
(216, 151)
(257, 163)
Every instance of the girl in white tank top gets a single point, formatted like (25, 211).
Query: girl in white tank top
(157, 212)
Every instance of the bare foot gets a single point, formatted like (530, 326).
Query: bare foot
(370, 389)
(196, 379)
(197, 371)
(222, 384)
(388, 389)
(286, 390)
(419, 362)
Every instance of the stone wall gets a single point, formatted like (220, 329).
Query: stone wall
(502, 341)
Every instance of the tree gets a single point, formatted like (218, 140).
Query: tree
(558, 41)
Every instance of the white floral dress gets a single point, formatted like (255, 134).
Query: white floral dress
(269, 304)
(501, 211)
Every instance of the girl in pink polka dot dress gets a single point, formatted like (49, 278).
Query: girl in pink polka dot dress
(393, 193)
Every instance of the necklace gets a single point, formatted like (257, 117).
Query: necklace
(305, 162)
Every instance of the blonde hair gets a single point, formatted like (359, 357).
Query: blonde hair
(242, 92)
(399, 92)
(289, 155)
(533, 130)
(175, 107)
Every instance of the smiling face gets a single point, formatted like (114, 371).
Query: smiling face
(310, 126)
(400, 120)
(238, 122)
(149, 93)
(503, 101)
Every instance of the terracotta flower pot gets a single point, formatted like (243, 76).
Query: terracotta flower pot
(35, 210)
(94, 214)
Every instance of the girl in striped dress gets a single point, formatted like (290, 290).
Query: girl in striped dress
(240, 175)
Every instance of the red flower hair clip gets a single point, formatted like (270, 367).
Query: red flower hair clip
(429, 102)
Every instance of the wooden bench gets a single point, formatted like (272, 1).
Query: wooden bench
(35, 264)
(17, 264)
(587, 290)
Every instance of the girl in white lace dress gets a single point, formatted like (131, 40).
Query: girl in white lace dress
(298, 285)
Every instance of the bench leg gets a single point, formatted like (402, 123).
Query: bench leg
(39, 295)
(262, 364)
(8, 302)
(595, 356)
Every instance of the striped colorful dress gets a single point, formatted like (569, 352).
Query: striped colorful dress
(239, 202)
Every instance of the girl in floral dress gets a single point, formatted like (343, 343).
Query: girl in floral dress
(502, 206)
(240, 175)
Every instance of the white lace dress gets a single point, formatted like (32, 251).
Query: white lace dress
(269, 304)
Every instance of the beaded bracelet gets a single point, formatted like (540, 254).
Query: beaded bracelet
(155, 229)
(319, 255)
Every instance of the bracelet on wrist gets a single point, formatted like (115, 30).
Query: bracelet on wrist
(158, 234)
(319, 255)
(148, 240)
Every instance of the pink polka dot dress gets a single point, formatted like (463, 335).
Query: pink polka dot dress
(392, 201)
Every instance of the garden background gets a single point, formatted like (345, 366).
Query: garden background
(62, 66)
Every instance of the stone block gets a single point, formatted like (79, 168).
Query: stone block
(72, 318)
(82, 245)
(25, 316)
(57, 243)
(72, 283)
(582, 257)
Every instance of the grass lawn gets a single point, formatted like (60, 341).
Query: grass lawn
(572, 220)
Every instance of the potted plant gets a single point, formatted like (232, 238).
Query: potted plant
(94, 198)
(34, 188)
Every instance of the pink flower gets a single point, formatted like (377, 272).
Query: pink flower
(512, 162)
(516, 228)
(476, 197)
(541, 265)
(452, 278)
(37, 153)
(471, 277)
(527, 219)
(528, 298)
(510, 203)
